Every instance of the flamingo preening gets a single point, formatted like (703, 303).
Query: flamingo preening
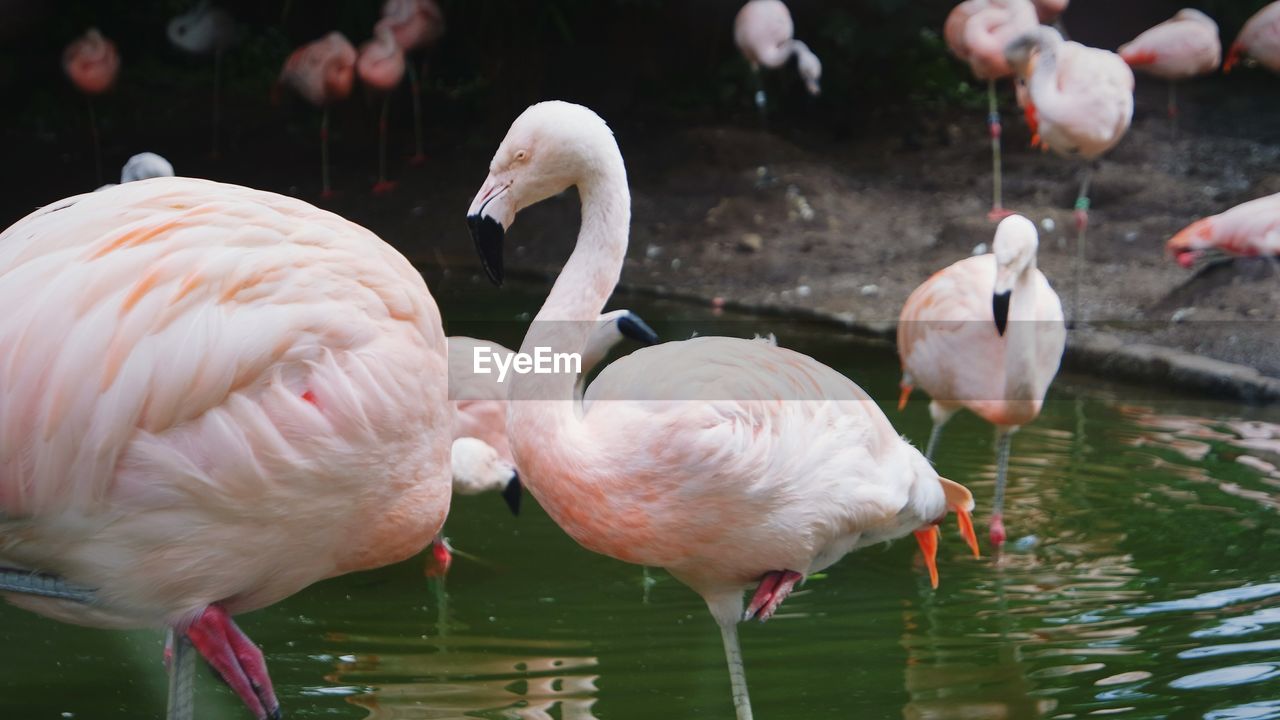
(380, 66)
(1251, 229)
(92, 64)
(193, 374)
(729, 462)
(764, 33)
(205, 30)
(1180, 48)
(986, 334)
(322, 72)
(1258, 41)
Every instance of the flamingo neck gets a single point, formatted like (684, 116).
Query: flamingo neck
(1043, 85)
(1021, 337)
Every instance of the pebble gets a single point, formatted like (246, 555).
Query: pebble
(751, 242)
(980, 249)
(652, 251)
(870, 290)
(675, 263)
(1048, 224)
(804, 291)
(1181, 314)
(1026, 543)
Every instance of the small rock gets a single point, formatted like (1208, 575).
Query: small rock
(980, 249)
(652, 251)
(758, 219)
(804, 291)
(1026, 543)
(1181, 314)
(675, 263)
(1131, 236)
(870, 290)
(751, 242)
(1048, 224)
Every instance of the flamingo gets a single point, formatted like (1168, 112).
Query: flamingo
(1180, 48)
(92, 63)
(1258, 41)
(322, 72)
(1251, 229)
(726, 461)
(1049, 11)
(205, 30)
(977, 32)
(763, 32)
(481, 455)
(381, 68)
(987, 334)
(1081, 99)
(213, 398)
(417, 26)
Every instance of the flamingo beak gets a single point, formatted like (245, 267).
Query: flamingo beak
(1000, 308)
(928, 539)
(966, 530)
(491, 213)
(513, 493)
(632, 326)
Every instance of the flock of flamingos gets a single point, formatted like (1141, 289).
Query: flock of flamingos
(252, 372)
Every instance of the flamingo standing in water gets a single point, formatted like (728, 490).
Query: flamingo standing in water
(213, 398)
(1258, 41)
(763, 31)
(986, 334)
(205, 30)
(381, 68)
(1251, 229)
(322, 72)
(481, 455)
(977, 32)
(1081, 99)
(417, 26)
(92, 63)
(1180, 48)
(728, 462)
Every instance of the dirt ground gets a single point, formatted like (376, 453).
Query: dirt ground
(842, 228)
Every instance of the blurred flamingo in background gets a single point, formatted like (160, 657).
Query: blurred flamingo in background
(381, 68)
(210, 426)
(417, 26)
(1180, 48)
(1082, 102)
(729, 462)
(1258, 41)
(481, 457)
(92, 63)
(977, 32)
(763, 32)
(205, 30)
(1251, 229)
(987, 334)
(322, 72)
(1050, 11)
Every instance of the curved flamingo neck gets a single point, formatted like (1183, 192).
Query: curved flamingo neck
(1044, 84)
(1021, 339)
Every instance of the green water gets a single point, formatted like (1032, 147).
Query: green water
(1142, 580)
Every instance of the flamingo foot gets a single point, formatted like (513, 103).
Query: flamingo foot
(774, 587)
(417, 160)
(382, 187)
(999, 213)
(235, 659)
(997, 531)
(441, 559)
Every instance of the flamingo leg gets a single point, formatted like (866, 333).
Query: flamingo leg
(383, 185)
(415, 88)
(181, 662)
(935, 435)
(93, 135)
(1082, 226)
(774, 587)
(995, 130)
(441, 557)
(325, 191)
(1004, 439)
(1173, 108)
(235, 659)
(737, 673)
(217, 78)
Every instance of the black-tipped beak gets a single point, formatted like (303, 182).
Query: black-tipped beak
(631, 326)
(488, 234)
(1000, 308)
(512, 494)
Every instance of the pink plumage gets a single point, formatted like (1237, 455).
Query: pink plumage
(415, 23)
(92, 63)
(977, 32)
(764, 32)
(1258, 40)
(1185, 46)
(322, 71)
(212, 397)
(1250, 229)
(380, 64)
(1050, 10)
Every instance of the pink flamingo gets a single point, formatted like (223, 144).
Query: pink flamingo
(1258, 41)
(987, 334)
(381, 68)
(205, 30)
(228, 395)
(726, 461)
(763, 31)
(417, 26)
(1049, 11)
(322, 72)
(1180, 48)
(977, 32)
(92, 63)
(1251, 229)
(1081, 99)
(481, 456)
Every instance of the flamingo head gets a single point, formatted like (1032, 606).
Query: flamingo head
(1014, 248)
(478, 468)
(1191, 243)
(810, 68)
(551, 147)
(1021, 52)
(960, 501)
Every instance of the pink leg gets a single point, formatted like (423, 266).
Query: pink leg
(774, 588)
(441, 558)
(236, 659)
(997, 531)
